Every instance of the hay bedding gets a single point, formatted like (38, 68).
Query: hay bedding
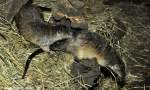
(50, 71)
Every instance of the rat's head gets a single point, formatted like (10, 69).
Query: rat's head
(59, 45)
